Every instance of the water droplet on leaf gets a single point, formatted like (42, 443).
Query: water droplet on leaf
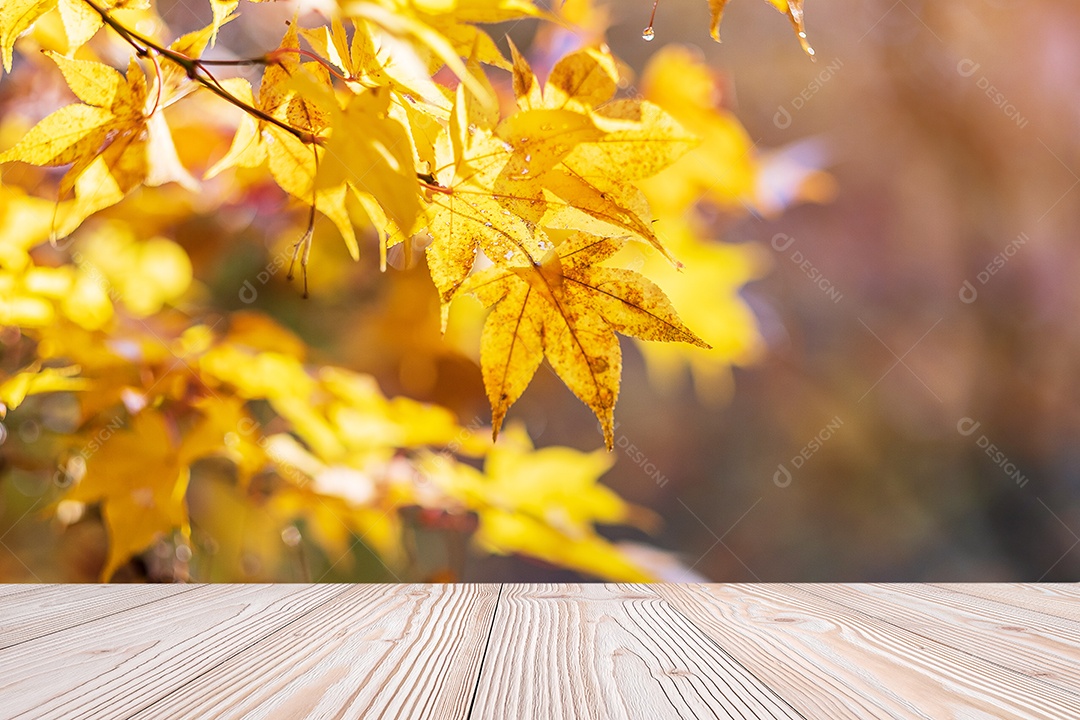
(648, 34)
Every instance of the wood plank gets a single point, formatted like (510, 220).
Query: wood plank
(1059, 599)
(377, 651)
(20, 589)
(1019, 640)
(53, 608)
(110, 667)
(830, 661)
(610, 651)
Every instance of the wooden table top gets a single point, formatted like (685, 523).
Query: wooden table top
(540, 651)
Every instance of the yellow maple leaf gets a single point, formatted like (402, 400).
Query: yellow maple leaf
(447, 28)
(15, 389)
(370, 152)
(634, 137)
(549, 164)
(568, 308)
(140, 476)
(113, 141)
(724, 167)
(522, 511)
(80, 21)
(792, 8)
(293, 163)
(16, 17)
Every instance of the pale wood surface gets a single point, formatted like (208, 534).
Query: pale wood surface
(540, 651)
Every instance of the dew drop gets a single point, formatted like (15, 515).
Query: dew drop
(648, 34)
(487, 224)
(509, 254)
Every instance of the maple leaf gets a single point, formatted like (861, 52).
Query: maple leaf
(367, 153)
(792, 8)
(447, 28)
(140, 478)
(15, 389)
(549, 164)
(81, 22)
(724, 167)
(112, 140)
(522, 511)
(568, 308)
(16, 17)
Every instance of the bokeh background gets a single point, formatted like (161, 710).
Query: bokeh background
(913, 414)
(950, 129)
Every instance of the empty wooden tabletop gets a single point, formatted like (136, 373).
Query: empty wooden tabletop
(984, 651)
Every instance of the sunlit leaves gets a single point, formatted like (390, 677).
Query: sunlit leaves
(568, 308)
(16, 17)
(521, 201)
(446, 28)
(724, 167)
(564, 160)
(113, 140)
(80, 21)
(15, 389)
(792, 8)
(142, 476)
(522, 511)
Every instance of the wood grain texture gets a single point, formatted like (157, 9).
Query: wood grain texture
(10, 590)
(377, 651)
(449, 652)
(1041, 647)
(610, 651)
(119, 664)
(1057, 599)
(829, 660)
(47, 609)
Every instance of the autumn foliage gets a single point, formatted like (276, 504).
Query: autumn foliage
(402, 124)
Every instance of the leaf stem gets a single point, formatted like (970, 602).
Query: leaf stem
(196, 71)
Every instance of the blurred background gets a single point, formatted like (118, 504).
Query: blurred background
(906, 408)
(950, 130)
